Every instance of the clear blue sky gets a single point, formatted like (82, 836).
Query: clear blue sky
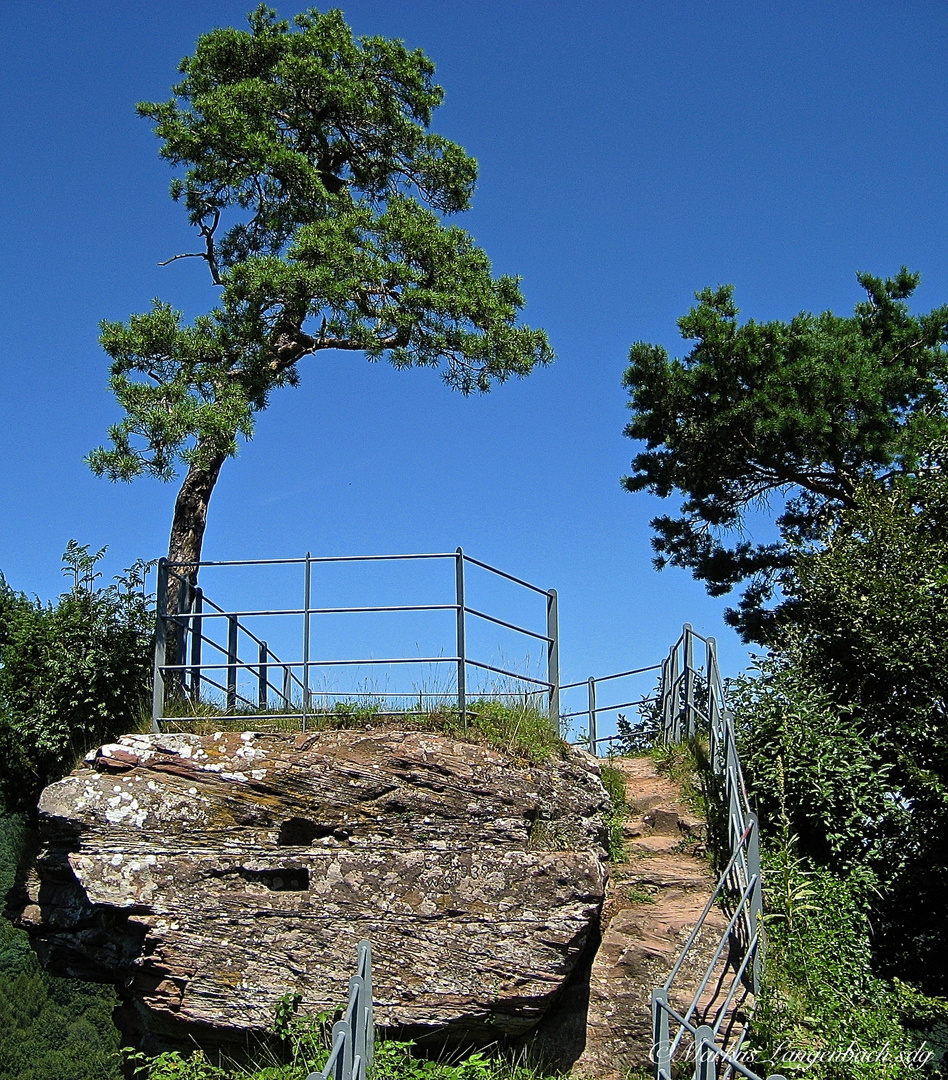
(630, 153)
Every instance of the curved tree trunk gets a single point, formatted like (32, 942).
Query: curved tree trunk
(184, 546)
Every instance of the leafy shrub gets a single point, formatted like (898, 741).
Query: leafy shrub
(820, 994)
(72, 674)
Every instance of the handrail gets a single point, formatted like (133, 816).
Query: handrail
(692, 702)
(353, 1037)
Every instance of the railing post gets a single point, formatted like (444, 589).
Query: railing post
(161, 646)
(461, 640)
(661, 1048)
(365, 966)
(181, 626)
(262, 694)
(593, 733)
(307, 603)
(714, 705)
(553, 656)
(341, 1028)
(688, 647)
(232, 658)
(706, 1065)
(670, 720)
(756, 899)
(197, 633)
(357, 984)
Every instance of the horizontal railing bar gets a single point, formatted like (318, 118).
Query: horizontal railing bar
(300, 560)
(310, 611)
(252, 665)
(512, 674)
(234, 716)
(605, 678)
(606, 708)
(383, 693)
(510, 626)
(504, 574)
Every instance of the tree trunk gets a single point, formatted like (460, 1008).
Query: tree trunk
(184, 548)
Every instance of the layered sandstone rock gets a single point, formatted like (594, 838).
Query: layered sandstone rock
(206, 876)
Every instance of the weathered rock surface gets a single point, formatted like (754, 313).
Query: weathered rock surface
(206, 876)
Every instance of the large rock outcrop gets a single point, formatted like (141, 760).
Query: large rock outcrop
(206, 876)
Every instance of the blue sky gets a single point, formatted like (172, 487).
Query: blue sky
(630, 153)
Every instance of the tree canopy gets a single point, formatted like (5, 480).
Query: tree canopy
(318, 194)
(798, 412)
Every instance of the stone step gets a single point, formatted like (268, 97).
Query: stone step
(653, 902)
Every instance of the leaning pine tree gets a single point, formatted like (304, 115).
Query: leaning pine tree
(318, 194)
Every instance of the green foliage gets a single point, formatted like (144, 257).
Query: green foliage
(803, 411)
(614, 783)
(72, 674)
(308, 1050)
(849, 727)
(815, 773)
(49, 1027)
(171, 1065)
(844, 741)
(317, 192)
(820, 994)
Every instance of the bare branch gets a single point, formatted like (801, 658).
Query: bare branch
(184, 255)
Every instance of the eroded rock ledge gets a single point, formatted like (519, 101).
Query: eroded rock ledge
(205, 876)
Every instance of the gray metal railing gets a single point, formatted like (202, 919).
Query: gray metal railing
(191, 673)
(353, 1037)
(592, 740)
(717, 1017)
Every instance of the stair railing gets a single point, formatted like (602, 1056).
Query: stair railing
(717, 1018)
(353, 1037)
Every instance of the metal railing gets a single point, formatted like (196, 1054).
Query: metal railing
(353, 1037)
(717, 1017)
(593, 710)
(191, 674)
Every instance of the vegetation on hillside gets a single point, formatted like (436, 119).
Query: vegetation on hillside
(50, 1028)
(844, 732)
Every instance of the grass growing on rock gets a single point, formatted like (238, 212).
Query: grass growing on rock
(614, 783)
(516, 726)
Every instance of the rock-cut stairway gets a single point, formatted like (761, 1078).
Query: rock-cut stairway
(653, 901)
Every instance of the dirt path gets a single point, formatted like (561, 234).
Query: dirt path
(653, 901)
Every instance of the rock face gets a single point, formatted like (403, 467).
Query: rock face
(206, 876)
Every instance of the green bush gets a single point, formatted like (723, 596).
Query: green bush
(72, 674)
(820, 994)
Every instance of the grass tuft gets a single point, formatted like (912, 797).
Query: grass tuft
(516, 726)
